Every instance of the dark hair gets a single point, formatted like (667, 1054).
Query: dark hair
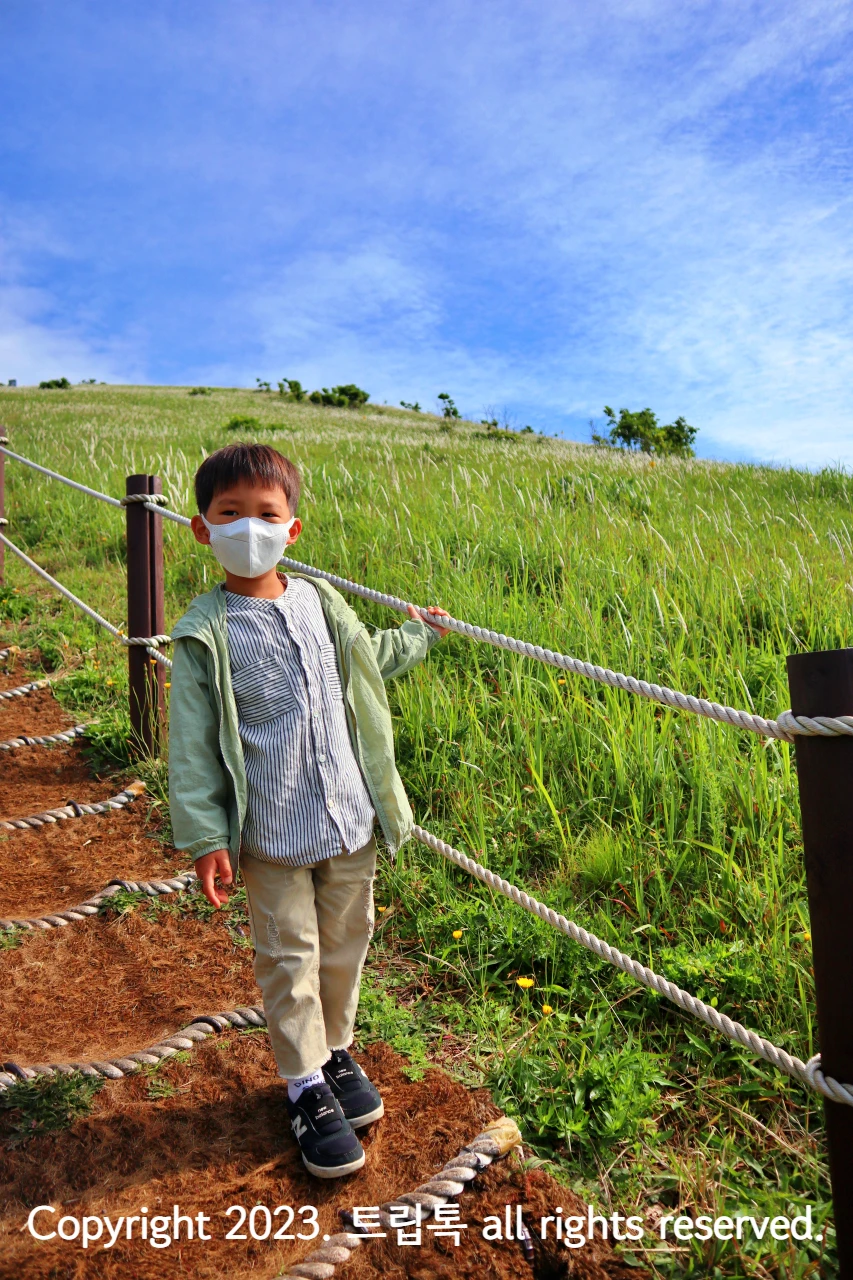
(253, 464)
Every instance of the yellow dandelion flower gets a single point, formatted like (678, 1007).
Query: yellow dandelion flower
(457, 933)
(524, 983)
(546, 1009)
(167, 685)
(381, 908)
(561, 680)
(109, 682)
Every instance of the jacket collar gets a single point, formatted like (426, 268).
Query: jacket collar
(207, 615)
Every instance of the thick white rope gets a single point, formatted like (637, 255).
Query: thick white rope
(54, 475)
(44, 740)
(56, 919)
(131, 499)
(22, 690)
(412, 1208)
(117, 1068)
(75, 810)
(149, 642)
(808, 1073)
(784, 727)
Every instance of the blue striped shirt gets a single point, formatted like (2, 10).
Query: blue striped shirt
(306, 798)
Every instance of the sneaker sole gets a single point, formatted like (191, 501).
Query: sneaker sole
(358, 1122)
(339, 1171)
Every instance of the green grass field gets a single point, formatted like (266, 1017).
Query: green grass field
(676, 839)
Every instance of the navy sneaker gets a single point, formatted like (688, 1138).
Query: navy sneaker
(329, 1147)
(359, 1099)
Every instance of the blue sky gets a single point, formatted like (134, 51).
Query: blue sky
(538, 207)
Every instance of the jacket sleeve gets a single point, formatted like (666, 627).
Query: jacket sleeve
(398, 649)
(197, 785)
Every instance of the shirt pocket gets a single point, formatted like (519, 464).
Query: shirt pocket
(263, 691)
(329, 663)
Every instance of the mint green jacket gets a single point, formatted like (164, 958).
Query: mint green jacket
(207, 775)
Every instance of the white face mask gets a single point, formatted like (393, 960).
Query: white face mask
(248, 547)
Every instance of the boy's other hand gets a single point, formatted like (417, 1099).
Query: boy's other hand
(213, 866)
(437, 612)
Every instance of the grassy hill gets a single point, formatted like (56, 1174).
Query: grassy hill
(673, 838)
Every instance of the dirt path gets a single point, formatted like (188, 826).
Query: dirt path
(210, 1130)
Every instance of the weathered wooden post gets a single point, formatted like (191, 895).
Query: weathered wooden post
(145, 615)
(821, 684)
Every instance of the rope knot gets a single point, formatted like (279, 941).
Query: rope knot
(815, 726)
(147, 641)
(156, 499)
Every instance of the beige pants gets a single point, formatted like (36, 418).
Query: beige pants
(310, 929)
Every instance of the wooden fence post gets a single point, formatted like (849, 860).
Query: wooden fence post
(822, 684)
(145, 616)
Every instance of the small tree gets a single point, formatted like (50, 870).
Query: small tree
(639, 431)
(291, 387)
(678, 438)
(448, 408)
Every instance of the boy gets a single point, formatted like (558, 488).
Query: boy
(281, 758)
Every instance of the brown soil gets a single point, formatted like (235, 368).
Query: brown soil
(32, 713)
(221, 1137)
(46, 777)
(57, 866)
(54, 867)
(106, 987)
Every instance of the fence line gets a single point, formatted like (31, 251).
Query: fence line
(54, 475)
(808, 1073)
(784, 728)
(149, 642)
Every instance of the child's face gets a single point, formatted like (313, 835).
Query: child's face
(246, 500)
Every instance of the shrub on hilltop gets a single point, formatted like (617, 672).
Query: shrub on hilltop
(347, 396)
(640, 432)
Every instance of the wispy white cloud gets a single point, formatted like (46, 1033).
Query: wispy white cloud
(37, 340)
(637, 201)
